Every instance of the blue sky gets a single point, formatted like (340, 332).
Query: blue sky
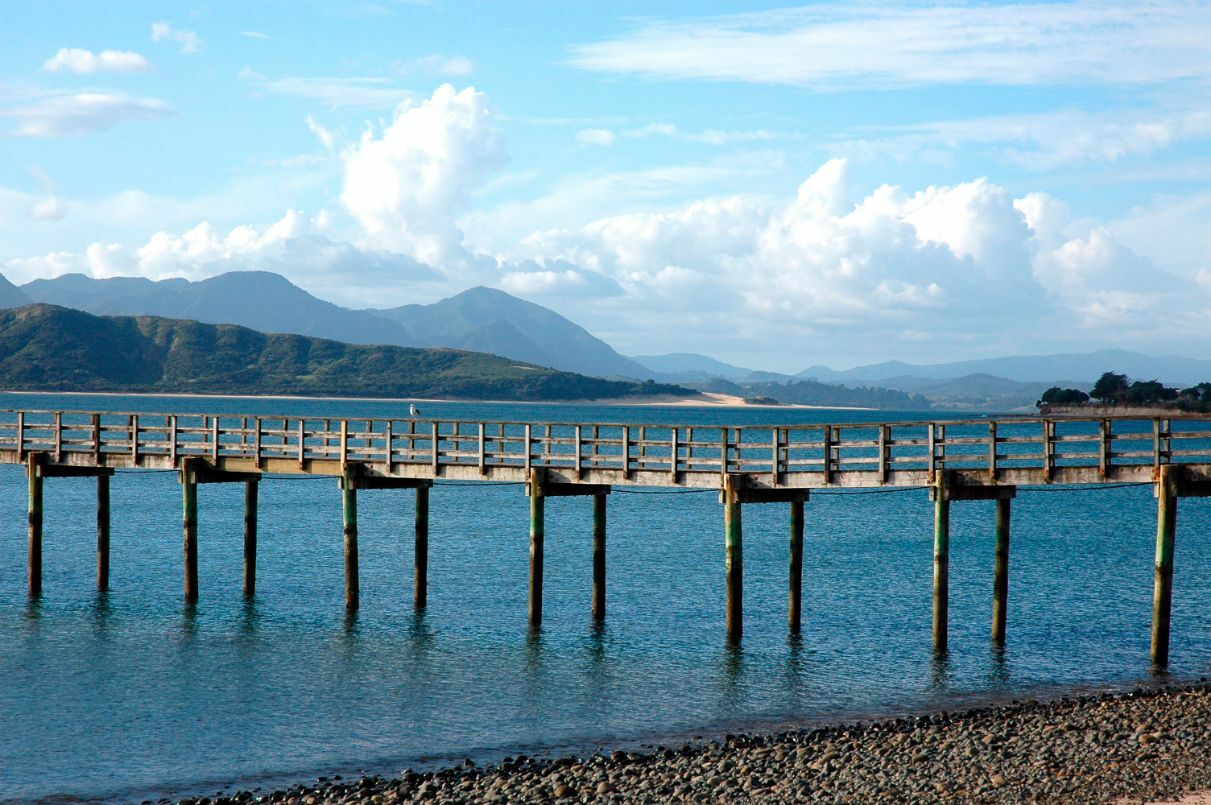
(773, 185)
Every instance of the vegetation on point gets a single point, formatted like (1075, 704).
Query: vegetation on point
(1118, 389)
(49, 348)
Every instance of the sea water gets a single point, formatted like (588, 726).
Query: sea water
(132, 694)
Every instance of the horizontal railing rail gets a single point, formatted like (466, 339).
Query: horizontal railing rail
(877, 451)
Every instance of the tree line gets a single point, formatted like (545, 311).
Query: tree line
(1118, 389)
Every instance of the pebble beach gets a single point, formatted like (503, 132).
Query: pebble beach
(1144, 745)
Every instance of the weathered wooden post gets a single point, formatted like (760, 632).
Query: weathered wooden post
(420, 558)
(536, 540)
(941, 559)
(1162, 593)
(1000, 571)
(33, 469)
(734, 561)
(796, 566)
(102, 532)
(189, 491)
(599, 557)
(349, 513)
(250, 534)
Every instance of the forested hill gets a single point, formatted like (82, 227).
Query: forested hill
(49, 348)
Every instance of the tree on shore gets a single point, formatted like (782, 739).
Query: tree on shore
(1115, 389)
(1058, 396)
(1110, 388)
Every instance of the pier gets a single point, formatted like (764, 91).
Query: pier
(956, 460)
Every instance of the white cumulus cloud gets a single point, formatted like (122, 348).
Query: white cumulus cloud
(405, 185)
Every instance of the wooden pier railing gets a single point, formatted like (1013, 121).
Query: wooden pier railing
(956, 459)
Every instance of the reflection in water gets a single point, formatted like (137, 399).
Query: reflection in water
(189, 620)
(102, 611)
(998, 671)
(939, 672)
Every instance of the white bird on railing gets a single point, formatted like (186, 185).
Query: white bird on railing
(413, 411)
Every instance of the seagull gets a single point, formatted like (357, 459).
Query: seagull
(413, 411)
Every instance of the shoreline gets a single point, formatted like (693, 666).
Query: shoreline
(1136, 745)
(706, 399)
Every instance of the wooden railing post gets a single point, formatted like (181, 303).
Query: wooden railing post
(134, 440)
(256, 445)
(724, 436)
(828, 454)
(434, 435)
(576, 451)
(992, 452)
(1103, 461)
(483, 468)
(58, 437)
(1048, 450)
(95, 427)
(21, 436)
(626, 452)
(674, 476)
(882, 455)
(776, 458)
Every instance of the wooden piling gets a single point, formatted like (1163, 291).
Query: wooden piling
(794, 614)
(734, 563)
(599, 557)
(102, 532)
(189, 491)
(349, 512)
(250, 534)
(1162, 592)
(536, 545)
(941, 560)
(33, 469)
(1000, 571)
(420, 558)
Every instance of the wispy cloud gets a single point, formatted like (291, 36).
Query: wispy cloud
(189, 41)
(1044, 140)
(334, 92)
(438, 64)
(608, 137)
(879, 45)
(255, 35)
(48, 208)
(85, 62)
(77, 113)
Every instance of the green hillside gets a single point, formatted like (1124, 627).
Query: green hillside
(48, 348)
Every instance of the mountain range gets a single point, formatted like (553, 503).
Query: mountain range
(49, 348)
(479, 319)
(491, 321)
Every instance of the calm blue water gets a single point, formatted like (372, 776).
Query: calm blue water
(129, 693)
